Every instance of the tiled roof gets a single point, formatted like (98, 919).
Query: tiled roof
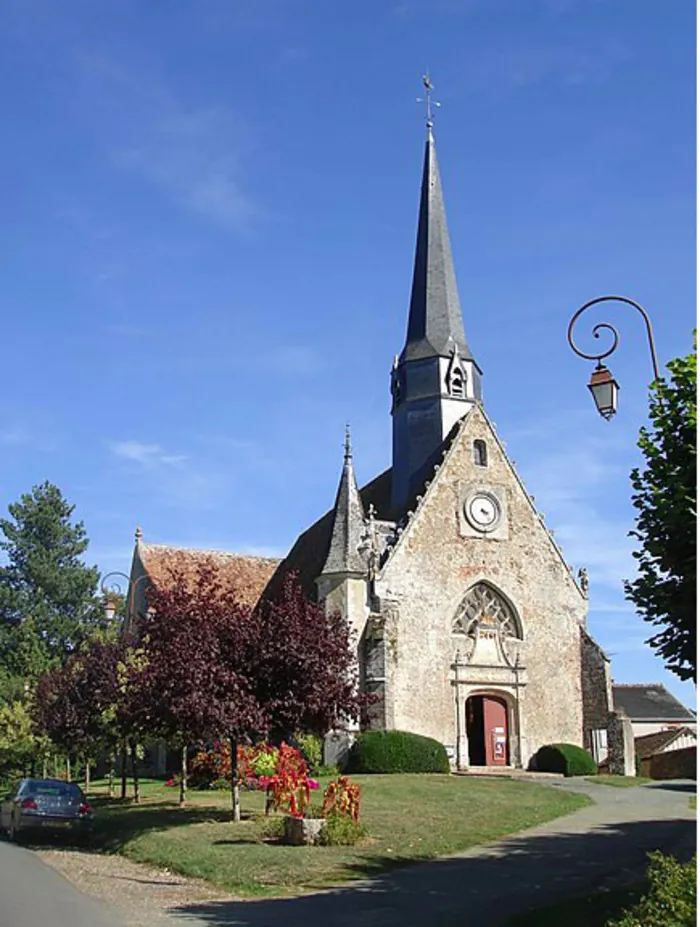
(247, 575)
(649, 702)
(649, 744)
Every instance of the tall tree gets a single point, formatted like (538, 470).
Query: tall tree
(48, 602)
(304, 665)
(216, 670)
(196, 637)
(666, 502)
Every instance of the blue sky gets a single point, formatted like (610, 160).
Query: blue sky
(208, 219)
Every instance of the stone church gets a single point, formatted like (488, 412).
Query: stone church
(470, 625)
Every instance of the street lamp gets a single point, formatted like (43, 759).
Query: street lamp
(113, 588)
(603, 385)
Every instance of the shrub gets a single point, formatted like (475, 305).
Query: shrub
(327, 772)
(341, 831)
(672, 897)
(397, 752)
(565, 758)
(311, 746)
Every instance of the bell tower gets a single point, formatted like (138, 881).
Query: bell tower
(435, 379)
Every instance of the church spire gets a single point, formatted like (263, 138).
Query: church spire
(435, 317)
(348, 522)
(435, 379)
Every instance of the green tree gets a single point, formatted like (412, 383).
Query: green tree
(665, 499)
(48, 602)
(20, 746)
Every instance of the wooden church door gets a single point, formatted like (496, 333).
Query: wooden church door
(495, 731)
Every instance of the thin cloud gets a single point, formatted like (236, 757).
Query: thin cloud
(14, 436)
(192, 153)
(149, 456)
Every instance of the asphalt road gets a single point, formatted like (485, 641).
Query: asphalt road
(34, 895)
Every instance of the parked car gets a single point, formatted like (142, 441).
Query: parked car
(47, 806)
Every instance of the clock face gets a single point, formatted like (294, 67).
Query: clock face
(483, 511)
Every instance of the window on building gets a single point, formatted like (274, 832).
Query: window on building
(485, 607)
(480, 454)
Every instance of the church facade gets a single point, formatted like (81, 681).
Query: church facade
(470, 625)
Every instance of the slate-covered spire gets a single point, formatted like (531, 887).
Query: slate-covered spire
(348, 523)
(435, 319)
(435, 379)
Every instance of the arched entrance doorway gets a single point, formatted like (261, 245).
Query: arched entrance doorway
(487, 731)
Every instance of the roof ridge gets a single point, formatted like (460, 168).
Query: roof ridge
(208, 550)
(640, 685)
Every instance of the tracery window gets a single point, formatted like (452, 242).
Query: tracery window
(484, 607)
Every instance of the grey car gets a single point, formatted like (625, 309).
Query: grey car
(46, 806)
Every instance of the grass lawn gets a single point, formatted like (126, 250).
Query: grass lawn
(590, 911)
(693, 802)
(619, 782)
(408, 817)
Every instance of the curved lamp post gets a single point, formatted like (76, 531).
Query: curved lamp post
(603, 386)
(110, 591)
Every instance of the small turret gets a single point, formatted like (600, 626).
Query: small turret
(344, 557)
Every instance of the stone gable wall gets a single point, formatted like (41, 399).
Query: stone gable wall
(427, 577)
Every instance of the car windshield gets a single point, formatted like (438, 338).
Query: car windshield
(40, 788)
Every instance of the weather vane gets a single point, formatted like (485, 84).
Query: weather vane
(428, 100)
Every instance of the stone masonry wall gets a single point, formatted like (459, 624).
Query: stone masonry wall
(596, 687)
(428, 575)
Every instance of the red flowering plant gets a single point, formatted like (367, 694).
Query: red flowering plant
(342, 797)
(289, 788)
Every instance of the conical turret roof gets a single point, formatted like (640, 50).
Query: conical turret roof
(348, 523)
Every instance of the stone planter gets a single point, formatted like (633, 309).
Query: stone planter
(303, 831)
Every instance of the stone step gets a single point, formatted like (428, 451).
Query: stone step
(501, 772)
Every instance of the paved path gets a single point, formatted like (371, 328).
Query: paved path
(597, 846)
(33, 894)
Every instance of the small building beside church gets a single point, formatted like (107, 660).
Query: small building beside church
(470, 625)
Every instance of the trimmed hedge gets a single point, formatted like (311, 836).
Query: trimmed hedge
(397, 752)
(565, 758)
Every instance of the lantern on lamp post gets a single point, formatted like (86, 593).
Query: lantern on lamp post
(115, 586)
(603, 385)
(604, 389)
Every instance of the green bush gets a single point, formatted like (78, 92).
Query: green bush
(397, 752)
(565, 758)
(672, 897)
(341, 831)
(311, 747)
(327, 772)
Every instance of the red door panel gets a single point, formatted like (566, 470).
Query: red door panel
(495, 731)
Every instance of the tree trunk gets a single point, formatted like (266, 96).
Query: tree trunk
(68, 775)
(87, 774)
(135, 774)
(235, 791)
(45, 768)
(124, 769)
(183, 775)
(110, 785)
